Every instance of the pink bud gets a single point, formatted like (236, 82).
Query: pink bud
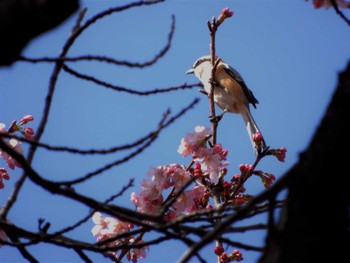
(257, 138)
(236, 255)
(197, 171)
(28, 132)
(281, 154)
(26, 119)
(218, 250)
(224, 258)
(226, 12)
(245, 168)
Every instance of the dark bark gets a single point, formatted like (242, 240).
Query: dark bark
(22, 20)
(314, 225)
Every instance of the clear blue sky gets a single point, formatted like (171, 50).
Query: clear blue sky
(288, 53)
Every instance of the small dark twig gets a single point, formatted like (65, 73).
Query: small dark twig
(110, 60)
(340, 13)
(83, 256)
(123, 89)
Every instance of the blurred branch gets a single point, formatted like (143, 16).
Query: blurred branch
(21, 21)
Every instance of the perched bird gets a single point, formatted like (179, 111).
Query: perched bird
(231, 94)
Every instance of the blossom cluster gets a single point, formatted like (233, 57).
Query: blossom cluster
(151, 199)
(14, 144)
(211, 159)
(166, 190)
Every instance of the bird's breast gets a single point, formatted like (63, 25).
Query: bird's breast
(229, 95)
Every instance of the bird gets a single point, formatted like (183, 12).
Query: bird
(231, 94)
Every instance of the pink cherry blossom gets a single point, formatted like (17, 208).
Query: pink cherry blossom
(209, 159)
(189, 200)
(11, 162)
(178, 176)
(99, 222)
(193, 142)
(108, 226)
(138, 253)
(211, 164)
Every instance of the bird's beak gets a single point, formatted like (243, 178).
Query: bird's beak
(190, 71)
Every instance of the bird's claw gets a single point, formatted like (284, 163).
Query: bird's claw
(217, 118)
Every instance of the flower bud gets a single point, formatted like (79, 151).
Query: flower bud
(26, 119)
(218, 250)
(225, 13)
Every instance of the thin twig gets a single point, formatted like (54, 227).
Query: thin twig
(340, 13)
(110, 60)
(127, 90)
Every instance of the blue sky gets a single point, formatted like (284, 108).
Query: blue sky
(288, 53)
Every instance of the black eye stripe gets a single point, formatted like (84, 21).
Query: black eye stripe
(200, 61)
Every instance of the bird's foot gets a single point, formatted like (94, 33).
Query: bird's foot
(217, 118)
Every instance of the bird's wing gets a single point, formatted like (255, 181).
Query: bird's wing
(237, 77)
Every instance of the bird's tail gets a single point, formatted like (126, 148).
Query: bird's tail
(255, 135)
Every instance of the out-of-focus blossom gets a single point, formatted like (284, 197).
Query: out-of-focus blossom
(3, 176)
(109, 227)
(2, 127)
(138, 253)
(194, 142)
(15, 145)
(327, 3)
